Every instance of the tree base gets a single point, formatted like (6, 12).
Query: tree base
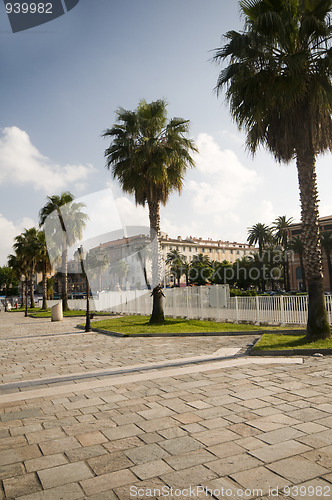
(157, 316)
(318, 326)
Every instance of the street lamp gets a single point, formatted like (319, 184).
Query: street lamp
(87, 316)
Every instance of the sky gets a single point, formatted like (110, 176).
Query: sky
(61, 84)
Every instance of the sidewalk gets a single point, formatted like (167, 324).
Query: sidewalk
(88, 416)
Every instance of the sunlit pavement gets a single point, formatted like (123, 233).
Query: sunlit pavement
(85, 415)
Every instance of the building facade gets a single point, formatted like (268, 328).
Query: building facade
(296, 280)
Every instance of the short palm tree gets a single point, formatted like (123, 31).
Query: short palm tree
(280, 228)
(26, 247)
(149, 156)
(278, 80)
(63, 222)
(326, 242)
(176, 261)
(43, 264)
(260, 234)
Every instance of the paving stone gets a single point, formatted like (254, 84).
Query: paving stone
(181, 445)
(148, 453)
(243, 430)
(78, 454)
(278, 451)
(151, 469)
(15, 469)
(123, 431)
(20, 415)
(310, 427)
(280, 435)
(318, 440)
(123, 444)
(65, 492)
(12, 442)
(225, 449)
(106, 495)
(19, 454)
(107, 482)
(260, 479)
(188, 477)
(235, 463)
(46, 462)
(321, 456)
(91, 438)
(189, 459)
(297, 469)
(45, 435)
(20, 485)
(215, 436)
(144, 489)
(69, 473)
(151, 437)
(59, 445)
(109, 463)
(172, 432)
(158, 424)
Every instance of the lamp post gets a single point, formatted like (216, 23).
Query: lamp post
(87, 316)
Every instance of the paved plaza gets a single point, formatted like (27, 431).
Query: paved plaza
(90, 416)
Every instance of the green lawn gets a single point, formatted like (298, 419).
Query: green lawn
(36, 312)
(279, 342)
(128, 325)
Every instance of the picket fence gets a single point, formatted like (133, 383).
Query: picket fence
(211, 303)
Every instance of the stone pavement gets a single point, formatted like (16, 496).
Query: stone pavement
(88, 416)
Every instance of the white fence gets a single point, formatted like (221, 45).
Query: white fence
(206, 303)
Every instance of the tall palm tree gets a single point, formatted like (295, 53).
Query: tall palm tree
(296, 245)
(280, 228)
(326, 242)
(176, 261)
(278, 80)
(149, 156)
(63, 221)
(260, 234)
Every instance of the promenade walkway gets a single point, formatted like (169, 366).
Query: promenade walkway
(89, 416)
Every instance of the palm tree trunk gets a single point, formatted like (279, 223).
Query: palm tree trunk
(64, 270)
(44, 306)
(32, 288)
(23, 285)
(317, 326)
(157, 315)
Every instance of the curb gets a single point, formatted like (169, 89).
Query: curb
(188, 334)
(291, 352)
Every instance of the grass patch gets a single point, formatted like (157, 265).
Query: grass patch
(42, 313)
(129, 325)
(272, 341)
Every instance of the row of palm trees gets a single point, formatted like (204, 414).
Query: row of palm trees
(61, 224)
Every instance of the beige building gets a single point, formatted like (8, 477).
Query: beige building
(217, 250)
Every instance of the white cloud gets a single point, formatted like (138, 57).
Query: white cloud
(22, 163)
(8, 231)
(226, 179)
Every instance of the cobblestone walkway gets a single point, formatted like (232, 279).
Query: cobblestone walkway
(232, 428)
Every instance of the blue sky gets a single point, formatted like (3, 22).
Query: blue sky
(63, 81)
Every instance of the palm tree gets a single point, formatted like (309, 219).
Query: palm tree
(26, 247)
(296, 245)
(326, 242)
(149, 156)
(278, 81)
(176, 261)
(280, 228)
(63, 222)
(18, 264)
(43, 264)
(260, 234)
